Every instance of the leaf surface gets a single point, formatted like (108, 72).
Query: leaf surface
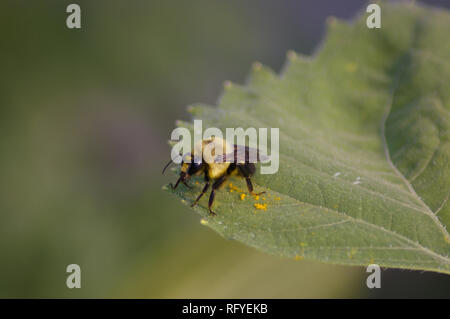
(364, 124)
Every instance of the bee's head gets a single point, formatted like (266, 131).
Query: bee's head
(185, 167)
(190, 165)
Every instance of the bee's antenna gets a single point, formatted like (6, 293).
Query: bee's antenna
(171, 161)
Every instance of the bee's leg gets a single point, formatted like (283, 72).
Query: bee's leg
(176, 184)
(250, 187)
(215, 186)
(205, 189)
(185, 184)
(244, 170)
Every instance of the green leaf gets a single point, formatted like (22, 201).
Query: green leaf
(364, 147)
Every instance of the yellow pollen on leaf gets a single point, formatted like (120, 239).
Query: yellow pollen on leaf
(260, 206)
(234, 188)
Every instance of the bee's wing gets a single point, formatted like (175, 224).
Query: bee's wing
(242, 154)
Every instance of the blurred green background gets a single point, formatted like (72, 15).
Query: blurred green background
(85, 116)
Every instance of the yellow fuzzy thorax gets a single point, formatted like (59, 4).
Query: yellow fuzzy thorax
(208, 149)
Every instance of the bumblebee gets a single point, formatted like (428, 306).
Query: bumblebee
(216, 166)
